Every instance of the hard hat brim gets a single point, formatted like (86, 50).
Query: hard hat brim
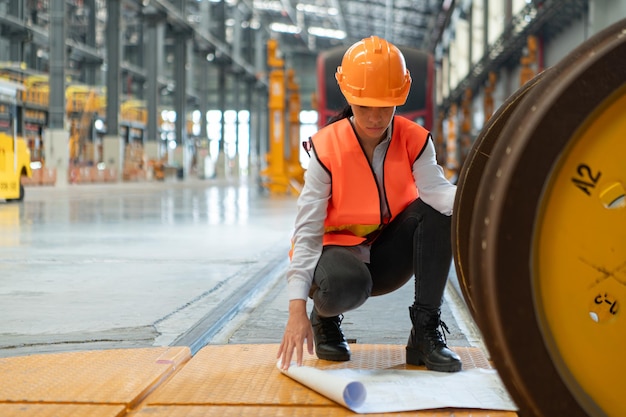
(375, 102)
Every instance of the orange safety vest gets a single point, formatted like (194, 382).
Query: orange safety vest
(354, 207)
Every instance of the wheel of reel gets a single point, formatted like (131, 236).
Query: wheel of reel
(467, 188)
(548, 238)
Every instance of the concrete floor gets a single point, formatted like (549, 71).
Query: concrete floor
(101, 266)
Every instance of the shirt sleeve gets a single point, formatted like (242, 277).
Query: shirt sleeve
(309, 230)
(433, 187)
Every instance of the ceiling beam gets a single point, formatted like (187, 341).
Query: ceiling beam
(294, 17)
(175, 18)
(341, 22)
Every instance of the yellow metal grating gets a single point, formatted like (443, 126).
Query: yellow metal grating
(299, 411)
(234, 375)
(120, 376)
(61, 410)
(221, 381)
(242, 380)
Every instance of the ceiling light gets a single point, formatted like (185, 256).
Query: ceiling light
(315, 9)
(273, 5)
(327, 33)
(284, 28)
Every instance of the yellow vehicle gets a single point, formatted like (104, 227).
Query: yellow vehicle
(13, 165)
(14, 152)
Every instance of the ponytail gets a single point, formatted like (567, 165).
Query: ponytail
(345, 113)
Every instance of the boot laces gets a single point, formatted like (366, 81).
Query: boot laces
(438, 334)
(331, 329)
(444, 330)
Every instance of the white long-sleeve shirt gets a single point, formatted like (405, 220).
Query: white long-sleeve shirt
(433, 187)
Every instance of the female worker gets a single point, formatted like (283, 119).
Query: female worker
(374, 211)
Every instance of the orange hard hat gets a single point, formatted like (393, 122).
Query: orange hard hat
(373, 73)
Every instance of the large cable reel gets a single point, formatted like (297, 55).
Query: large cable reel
(539, 234)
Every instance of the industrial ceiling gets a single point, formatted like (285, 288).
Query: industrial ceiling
(314, 25)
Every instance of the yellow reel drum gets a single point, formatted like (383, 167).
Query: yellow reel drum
(547, 239)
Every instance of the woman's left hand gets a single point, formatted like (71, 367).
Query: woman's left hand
(298, 330)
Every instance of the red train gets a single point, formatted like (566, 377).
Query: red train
(420, 103)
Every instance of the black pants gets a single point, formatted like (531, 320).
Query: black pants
(416, 243)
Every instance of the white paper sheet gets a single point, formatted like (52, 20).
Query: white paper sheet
(381, 391)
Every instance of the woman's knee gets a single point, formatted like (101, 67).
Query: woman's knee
(342, 282)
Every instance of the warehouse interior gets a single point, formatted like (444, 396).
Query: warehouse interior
(109, 77)
(150, 162)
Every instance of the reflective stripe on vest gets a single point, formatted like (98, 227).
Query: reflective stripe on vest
(354, 205)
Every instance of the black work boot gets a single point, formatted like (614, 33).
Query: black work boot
(330, 343)
(427, 344)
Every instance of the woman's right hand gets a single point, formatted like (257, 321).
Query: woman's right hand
(297, 331)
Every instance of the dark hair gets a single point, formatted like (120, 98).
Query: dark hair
(343, 114)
